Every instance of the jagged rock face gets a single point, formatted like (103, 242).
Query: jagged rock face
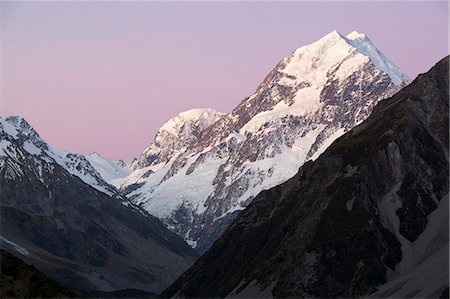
(74, 233)
(375, 202)
(198, 182)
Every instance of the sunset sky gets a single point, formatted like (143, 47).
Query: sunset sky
(104, 76)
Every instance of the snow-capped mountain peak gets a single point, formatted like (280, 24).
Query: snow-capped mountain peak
(312, 63)
(28, 142)
(299, 83)
(315, 60)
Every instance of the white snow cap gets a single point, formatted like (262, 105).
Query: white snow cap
(355, 35)
(314, 60)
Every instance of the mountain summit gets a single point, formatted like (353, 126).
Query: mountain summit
(203, 167)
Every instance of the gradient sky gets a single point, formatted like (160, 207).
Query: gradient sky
(104, 76)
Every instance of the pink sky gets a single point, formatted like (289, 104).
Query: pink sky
(104, 76)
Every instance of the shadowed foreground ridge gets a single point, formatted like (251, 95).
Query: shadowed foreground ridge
(19, 280)
(338, 226)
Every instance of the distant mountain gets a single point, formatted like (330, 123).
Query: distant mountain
(369, 216)
(204, 167)
(57, 215)
(111, 171)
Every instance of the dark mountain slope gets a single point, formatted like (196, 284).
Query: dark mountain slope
(76, 234)
(345, 221)
(19, 280)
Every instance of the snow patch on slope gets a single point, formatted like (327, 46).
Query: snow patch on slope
(328, 142)
(181, 190)
(16, 246)
(31, 148)
(4, 144)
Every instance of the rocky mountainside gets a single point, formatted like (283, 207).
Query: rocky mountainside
(74, 233)
(369, 216)
(204, 167)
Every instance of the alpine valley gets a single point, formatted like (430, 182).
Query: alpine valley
(291, 212)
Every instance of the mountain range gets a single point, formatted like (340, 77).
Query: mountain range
(204, 167)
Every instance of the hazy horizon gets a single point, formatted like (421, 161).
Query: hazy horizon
(104, 76)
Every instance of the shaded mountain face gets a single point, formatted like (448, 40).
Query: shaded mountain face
(204, 167)
(74, 233)
(369, 215)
